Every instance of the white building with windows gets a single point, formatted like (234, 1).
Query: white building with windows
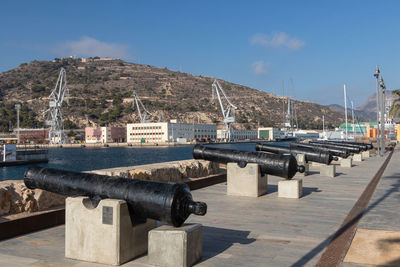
(161, 132)
(237, 135)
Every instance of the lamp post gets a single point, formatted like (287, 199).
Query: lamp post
(17, 107)
(383, 90)
(376, 75)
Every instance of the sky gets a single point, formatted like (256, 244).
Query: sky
(303, 49)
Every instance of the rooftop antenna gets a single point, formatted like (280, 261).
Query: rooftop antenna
(54, 114)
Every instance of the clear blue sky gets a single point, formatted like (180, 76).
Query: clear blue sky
(319, 44)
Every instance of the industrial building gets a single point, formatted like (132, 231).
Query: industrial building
(173, 131)
(236, 135)
(268, 133)
(33, 135)
(105, 135)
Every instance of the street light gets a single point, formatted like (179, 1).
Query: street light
(376, 75)
(383, 90)
(17, 107)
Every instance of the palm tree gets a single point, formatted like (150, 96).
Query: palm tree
(395, 109)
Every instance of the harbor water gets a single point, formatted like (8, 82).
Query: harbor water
(86, 159)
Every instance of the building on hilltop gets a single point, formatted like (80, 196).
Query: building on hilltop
(173, 131)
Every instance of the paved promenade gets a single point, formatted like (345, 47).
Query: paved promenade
(377, 240)
(264, 231)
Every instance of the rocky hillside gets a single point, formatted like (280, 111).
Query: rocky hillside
(100, 94)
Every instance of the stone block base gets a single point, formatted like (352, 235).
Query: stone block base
(301, 158)
(346, 163)
(103, 234)
(365, 154)
(327, 170)
(175, 247)
(290, 188)
(245, 181)
(357, 157)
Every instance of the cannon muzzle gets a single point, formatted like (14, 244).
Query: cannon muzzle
(167, 202)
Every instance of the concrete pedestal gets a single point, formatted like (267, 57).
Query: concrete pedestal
(301, 158)
(365, 154)
(103, 234)
(346, 163)
(357, 157)
(327, 170)
(246, 181)
(175, 247)
(290, 188)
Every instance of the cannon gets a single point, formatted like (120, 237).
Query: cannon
(363, 147)
(315, 156)
(171, 203)
(284, 166)
(339, 152)
(350, 149)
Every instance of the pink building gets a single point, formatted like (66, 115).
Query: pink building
(93, 135)
(105, 134)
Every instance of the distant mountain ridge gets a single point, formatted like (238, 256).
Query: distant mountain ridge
(101, 90)
(367, 111)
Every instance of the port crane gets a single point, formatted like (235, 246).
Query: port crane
(54, 114)
(226, 112)
(136, 102)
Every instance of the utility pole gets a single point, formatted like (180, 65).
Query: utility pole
(17, 107)
(376, 75)
(383, 89)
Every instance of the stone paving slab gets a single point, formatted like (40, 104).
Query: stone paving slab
(381, 221)
(240, 231)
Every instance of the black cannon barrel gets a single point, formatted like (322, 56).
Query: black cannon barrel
(279, 165)
(369, 145)
(363, 147)
(310, 155)
(339, 152)
(167, 202)
(350, 149)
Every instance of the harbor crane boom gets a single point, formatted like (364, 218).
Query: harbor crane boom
(226, 112)
(136, 102)
(54, 114)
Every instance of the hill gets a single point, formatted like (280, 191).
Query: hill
(100, 94)
(367, 111)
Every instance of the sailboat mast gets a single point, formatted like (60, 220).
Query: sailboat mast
(345, 108)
